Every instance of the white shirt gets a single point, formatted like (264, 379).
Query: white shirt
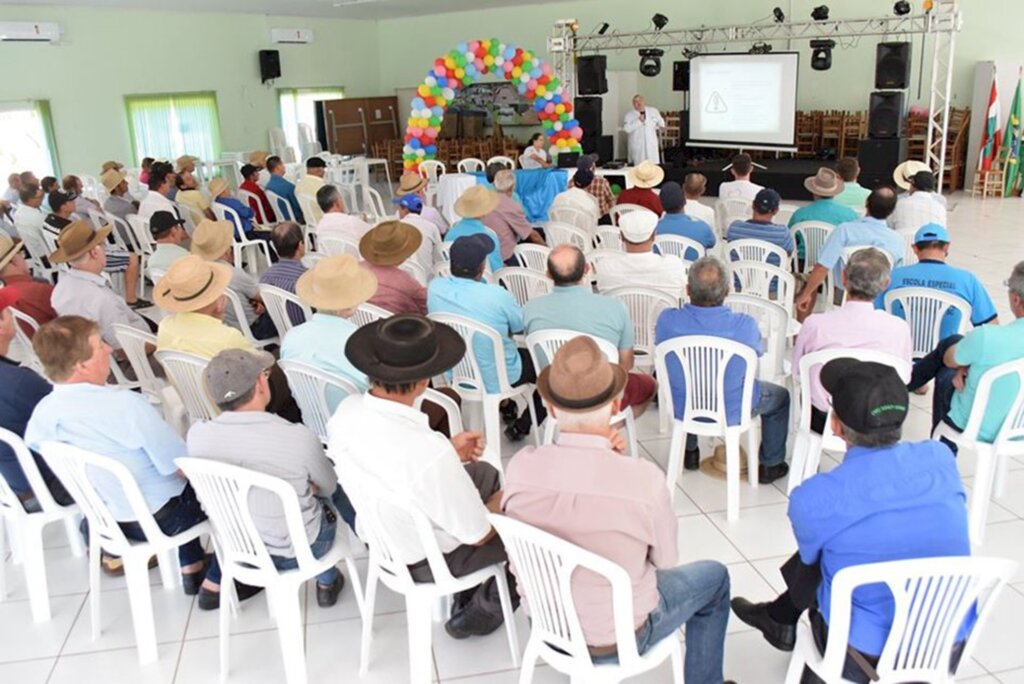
(918, 209)
(154, 202)
(533, 158)
(434, 216)
(643, 135)
(11, 196)
(335, 224)
(430, 245)
(394, 445)
(647, 269)
(700, 211)
(29, 222)
(739, 189)
(577, 198)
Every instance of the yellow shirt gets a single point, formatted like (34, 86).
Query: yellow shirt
(193, 199)
(198, 334)
(308, 185)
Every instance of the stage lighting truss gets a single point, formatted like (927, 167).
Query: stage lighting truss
(760, 49)
(650, 61)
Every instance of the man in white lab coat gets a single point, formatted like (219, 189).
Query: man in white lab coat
(642, 126)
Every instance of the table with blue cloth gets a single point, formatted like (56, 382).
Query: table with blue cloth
(537, 189)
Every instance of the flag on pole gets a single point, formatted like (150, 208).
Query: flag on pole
(1012, 142)
(992, 135)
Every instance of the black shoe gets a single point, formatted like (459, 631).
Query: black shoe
(509, 412)
(191, 581)
(327, 596)
(210, 600)
(516, 433)
(140, 303)
(691, 459)
(782, 637)
(473, 621)
(769, 474)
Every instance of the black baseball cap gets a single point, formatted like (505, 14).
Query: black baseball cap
(316, 163)
(767, 201)
(923, 181)
(868, 397)
(672, 196)
(469, 251)
(162, 222)
(58, 198)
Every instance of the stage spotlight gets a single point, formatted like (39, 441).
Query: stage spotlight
(660, 21)
(779, 15)
(820, 13)
(603, 28)
(821, 54)
(901, 8)
(760, 49)
(650, 61)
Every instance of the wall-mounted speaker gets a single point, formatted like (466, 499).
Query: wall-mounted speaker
(270, 65)
(591, 74)
(892, 66)
(681, 76)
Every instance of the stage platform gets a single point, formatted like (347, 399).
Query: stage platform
(785, 176)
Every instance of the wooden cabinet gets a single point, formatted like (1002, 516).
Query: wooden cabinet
(353, 125)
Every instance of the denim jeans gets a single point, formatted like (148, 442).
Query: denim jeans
(325, 539)
(773, 407)
(696, 595)
(933, 367)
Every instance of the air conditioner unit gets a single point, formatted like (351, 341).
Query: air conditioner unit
(299, 36)
(27, 32)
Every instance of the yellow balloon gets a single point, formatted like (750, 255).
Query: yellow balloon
(517, 72)
(561, 142)
(541, 89)
(460, 73)
(558, 108)
(486, 44)
(449, 63)
(489, 60)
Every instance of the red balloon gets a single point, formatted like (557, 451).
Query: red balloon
(568, 107)
(518, 59)
(429, 101)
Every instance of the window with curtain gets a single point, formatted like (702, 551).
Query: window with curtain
(297, 106)
(26, 140)
(169, 125)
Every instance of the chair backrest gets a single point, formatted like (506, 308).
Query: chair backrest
(97, 218)
(764, 280)
(786, 212)
(10, 504)
(523, 283)
(278, 303)
(757, 250)
(442, 269)
(909, 255)
(704, 359)
(812, 234)
(573, 216)
(280, 205)
(543, 344)
(226, 213)
(544, 565)
(241, 321)
(773, 322)
(466, 375)
(507, 162)
(732, 209)
(336, 245)
(471, 165)
(254, 203)
(432, 170)
(133, 343)
(594, 259)
(190, 215)
(932, 597)
(531, 256)
(1013, 424)
(925, 309)
(22, 350)
(679, 246)
(416, 270)
(619, 209)
(368, 313)
(185, 371)
(310, 386)
(850, 251)
(374, 204)
(310, 209)
(566, 233)
(126, 235)
(644, 306)
(608, 238)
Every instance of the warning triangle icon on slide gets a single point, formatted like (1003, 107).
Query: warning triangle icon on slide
(716, 104)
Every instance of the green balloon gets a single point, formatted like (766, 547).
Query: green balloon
(467, 80)
(461, 60)
(546, 125)
(435, 121)
(494, 46)
(563, 117)
(553, 85)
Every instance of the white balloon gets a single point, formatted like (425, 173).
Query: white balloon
(558, 125)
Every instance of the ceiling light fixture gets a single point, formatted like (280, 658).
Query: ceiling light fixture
(603, 28)
(821, 54)
(820, 13)
(779, 15)
(660, 21)
(901, 8)
(650, 61)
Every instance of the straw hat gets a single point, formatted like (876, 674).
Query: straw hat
(410, 182)
(336, 283)
(111, 178)
(825, 183)
(8, 249)
(190, 284)
(107, 165)
(580, 378)
(184, 161)
(258, 158)
(211, 239)
(477, 201)
(217, 186)
(646, 175)
(907, 170)
(77, 238)
(390, 243)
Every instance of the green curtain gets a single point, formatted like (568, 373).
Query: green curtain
(169, 125)
(46, 119)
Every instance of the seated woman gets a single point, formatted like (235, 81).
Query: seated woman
(534, 156)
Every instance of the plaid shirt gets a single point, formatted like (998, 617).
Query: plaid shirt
(602, 192)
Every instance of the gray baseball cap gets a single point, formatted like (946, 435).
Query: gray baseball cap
(233, 372)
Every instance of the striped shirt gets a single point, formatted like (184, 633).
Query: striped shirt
(284, 274)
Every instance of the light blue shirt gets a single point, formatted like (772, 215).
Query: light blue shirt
(686, 226)
(320, 342)
(471, 226)
(981, 349)
(854, 195)
(284, 188)
(491, 305)
(867, 232)
(576, 308)
(825, 210)
(121, 425)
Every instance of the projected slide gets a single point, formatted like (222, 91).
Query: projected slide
(741, 99)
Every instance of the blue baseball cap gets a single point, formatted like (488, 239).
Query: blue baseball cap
(932, 232)
(412, 203)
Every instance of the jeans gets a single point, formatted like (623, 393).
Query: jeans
(933, 367)
(696, 595)
(320, 546)
(773, 407)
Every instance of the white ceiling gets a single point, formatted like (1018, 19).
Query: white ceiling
(343, 9)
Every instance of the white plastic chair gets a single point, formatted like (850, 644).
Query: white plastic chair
(242, 246)
(368, 313)
(242, 323)
(377, 507)
(644, 306)
(992, 457)
(508, 162)
(432, 170)
(565, 233)
(774, 323)
(282, 207)
(336, 245)
(786, 212)
(850, 251)
(21, 349)
(932, 598)
(27, 528)
(574, 217)
(757, 250)
(73, 466)
(310, 386)
(254, 203)
(594, 259)
(468, 380)
(703, 359)
(759, 279)
(374, 205)
(813, 235)
(608, 237)
(524, 284)
(185, 372)
(729, 210)
(619, 209)
(678, 246)
(413, 268)
(133, 343)
(544, 566)
(470, 165)
(531, 256)
(924, 309)
(277, 302)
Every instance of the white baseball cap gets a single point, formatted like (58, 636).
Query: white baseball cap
(638, 226)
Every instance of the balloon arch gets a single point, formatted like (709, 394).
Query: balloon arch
(462, 67)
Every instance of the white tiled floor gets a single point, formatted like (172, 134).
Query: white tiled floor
(986, 238)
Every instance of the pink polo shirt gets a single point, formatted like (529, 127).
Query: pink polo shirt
(397, 291)
(612, 505)
(856, 325)
(508, 221)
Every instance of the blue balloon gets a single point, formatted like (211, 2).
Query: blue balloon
(536, 73)
(415, 143)
(538, 106)
(470, 70)
(462, 47)
(431, 149)
(510, 52)
(522, 88)
(571, 123)
(418, 103)
(442, 82)
(437, 111)
(557, 99)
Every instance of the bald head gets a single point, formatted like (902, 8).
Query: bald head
(881, 203)
(566, 265)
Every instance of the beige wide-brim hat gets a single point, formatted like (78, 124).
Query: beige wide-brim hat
(477, 201)
(217, 186)
(190, 284)
(8, 249)
(410, 183)
(258, 158)
(825, 183)
(184, 161)
(907, 170)
(646, 175)
(77, 238)
(212, 239)
(390, 243)
(112, 164)
(336, 283)
(111, 178)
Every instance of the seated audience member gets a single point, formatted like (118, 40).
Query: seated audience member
(310, 184)
(639, 266)
(507, 219)
(28, 178)
(169, 232)
(921, 205)
(260, 205)
(825, 186)
(73, 186)
(12, 193)
(855, 325)
(29, 220)
(694, 187)
(185, 165)
(572, 305)
(410, 209)
(475, 203)
(83, 291)
(381, 435)
(677, 222)
(707, 314)
(221, 194)
(740, 187)
(48, 184)
(535, 156)
(761, 226)
(144, 169)
(62, 212)
(958, 364)
(620, 510)
(598, 187)
(411, 183)
(212, 241)
(465, 293)
(886, 501)
(245, 435)
(283, 188)
(931, 245)
(161, 178)
(111, 164)
(854, 195)
(119, 203)
(188, 193)
(869, 231)
(290, 247)
(491, 172)
(645, 176)
(384, 250)
(84, 411)
(577, 197)
(335, 222)
(259, 159)
(31, 295)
